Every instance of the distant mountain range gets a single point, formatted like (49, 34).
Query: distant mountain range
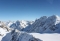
(45, 25)
(20, 30)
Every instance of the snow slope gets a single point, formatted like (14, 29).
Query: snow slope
(16, 35)
(47, 37)
(45, 28)
(3, 32)
(21, 24)
(45, 25)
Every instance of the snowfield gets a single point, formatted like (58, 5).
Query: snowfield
(47, 37)
(42, 29)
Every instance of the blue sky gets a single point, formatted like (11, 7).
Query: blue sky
(28, 9)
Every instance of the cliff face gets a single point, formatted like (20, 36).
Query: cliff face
(16, 35)
(21, 24)
(45, 25)
(21, 30)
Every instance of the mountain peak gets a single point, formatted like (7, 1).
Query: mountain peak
(55, 16)
(45, 24)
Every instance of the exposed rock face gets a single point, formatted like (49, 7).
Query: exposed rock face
(3, 25)
(16, 35)
(20, 30)
(21, 24)
(23, 36)
(3, 30)
(45, 25)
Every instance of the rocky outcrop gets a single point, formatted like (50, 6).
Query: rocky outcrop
(45, 25)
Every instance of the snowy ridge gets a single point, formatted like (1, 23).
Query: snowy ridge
(16, 35)
(21, 24)
(45, 25)
(38, 30)
(3, 30)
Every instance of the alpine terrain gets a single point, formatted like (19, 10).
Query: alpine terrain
(42, 29)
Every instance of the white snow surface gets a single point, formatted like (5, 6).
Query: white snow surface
(45, 28)
(45, 25)
(2, 33)
(47, 37)
(20, 24)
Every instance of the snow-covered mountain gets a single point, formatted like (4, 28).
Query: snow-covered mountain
(20, 24)
(24, 30)
(16, 35)
(3, 30)
(45, 25)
